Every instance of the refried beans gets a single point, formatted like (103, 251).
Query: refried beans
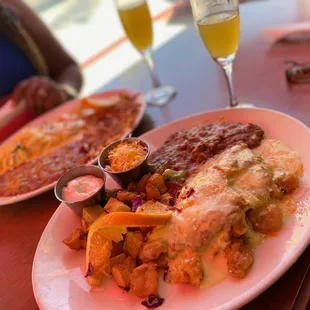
(189, 149)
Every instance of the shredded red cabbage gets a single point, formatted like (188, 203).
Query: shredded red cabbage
(136, 203)
(84, 148)
(90, 270)
(152, 301)
(174, 189)
(172, 208)
(171, 201)
(188, 193)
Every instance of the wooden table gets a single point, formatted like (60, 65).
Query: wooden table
(184, 63)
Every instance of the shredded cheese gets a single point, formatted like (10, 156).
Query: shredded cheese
(125, 156)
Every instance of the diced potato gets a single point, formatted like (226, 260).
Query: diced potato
(144, 280)
(77, 240)
(85, 226)
(266, 220)
(187, 268)
(152, 250)
(90, 214)
(166, 198)
(158, 181)
(118, 259)
(152, 192)
(121, 272)
(152, 207)
(239, 258)
(142, 183)
(133, 243)
(126, 197)
(115, 205)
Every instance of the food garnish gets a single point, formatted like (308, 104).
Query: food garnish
(152, 302)
(90, 270)
(125, 156)
(136, 203)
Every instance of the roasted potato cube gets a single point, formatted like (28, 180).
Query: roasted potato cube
(152, 207)
(142, 183)
(114, 205)
(133, 243)
(144, 280)
(158, 181)
(77, 240)
(118, 259)
(126, 197)
(187, 268)
(152, 250)
(121, 272)
(239, 258)
(266, 220)
(166, 199)
(152, 192)
(90, 214)
(85, 226)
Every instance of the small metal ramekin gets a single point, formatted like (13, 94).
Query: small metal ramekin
(123, 178)
(74, 173)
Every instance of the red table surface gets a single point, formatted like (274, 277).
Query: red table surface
(184, 63)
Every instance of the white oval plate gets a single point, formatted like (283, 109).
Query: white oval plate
(57, 273)
(54, 115)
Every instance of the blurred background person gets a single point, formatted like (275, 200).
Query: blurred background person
(34, 67)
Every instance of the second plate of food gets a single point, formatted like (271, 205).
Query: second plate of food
(228, 224)
(67, 136)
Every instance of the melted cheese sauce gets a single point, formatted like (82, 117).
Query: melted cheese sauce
(215, 267)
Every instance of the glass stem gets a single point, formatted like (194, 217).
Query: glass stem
(226, 65)
(148, 58)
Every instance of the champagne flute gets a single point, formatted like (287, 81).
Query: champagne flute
(137, 23)
(219, 26)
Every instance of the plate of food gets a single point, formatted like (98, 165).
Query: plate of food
(217, 212)
(70, 135)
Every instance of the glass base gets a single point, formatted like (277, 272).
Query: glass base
(241, 106)
(161, 95)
